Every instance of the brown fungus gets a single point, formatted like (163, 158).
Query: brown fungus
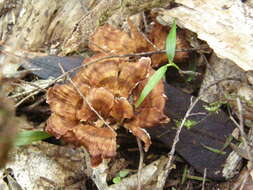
(111, 87)
(114, 41)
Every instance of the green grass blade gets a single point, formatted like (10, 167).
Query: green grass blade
(197, 178)
(156, 77)
(214, 150)
(152, 82)
(184, 176)
(27, 137)
(171, 42)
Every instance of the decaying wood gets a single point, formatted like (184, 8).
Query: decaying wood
(31, 27)
(227, 26)
(52, 25)
(45, 166)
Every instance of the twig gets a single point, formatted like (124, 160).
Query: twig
(199, 113)
(32, 106)
(99, 47)
(241, 128)
(140, 163)
(83, 97)
(189, 73)
(98, 174)
(31, 84)
(176, 139)
(145, 21)
(243, 176)
(109, 57)
(29, 91)
(146, 38)
(119, 56)
(22, 94)
(204, 180)
(244, 139)
(25, 98)
(244, 181)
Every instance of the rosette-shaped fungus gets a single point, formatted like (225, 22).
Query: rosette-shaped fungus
(114, 41)
(102, 99)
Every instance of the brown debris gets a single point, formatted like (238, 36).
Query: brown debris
(111, 87)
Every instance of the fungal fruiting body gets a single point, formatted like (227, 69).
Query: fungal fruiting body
(101, 100)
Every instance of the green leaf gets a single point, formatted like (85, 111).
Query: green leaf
(185, 173)
(156, 77)
(171, 42)
(152, 82)
(123, 173)
(213, 150)
(197, 178)
(27, 137)
(116, 180)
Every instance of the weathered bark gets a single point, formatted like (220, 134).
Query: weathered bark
(34, 26)
(227, 26)
(51, 26)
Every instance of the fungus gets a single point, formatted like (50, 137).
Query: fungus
(114, 41)
(111, 87)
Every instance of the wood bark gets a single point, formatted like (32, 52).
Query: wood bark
(54, 26)
(227, 26)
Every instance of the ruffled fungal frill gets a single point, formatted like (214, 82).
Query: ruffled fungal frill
(111, 87)
(114, 41)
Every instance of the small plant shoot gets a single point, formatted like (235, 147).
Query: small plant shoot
(152, 82)
(159, 74)
(214, 150)
(171, 42)
(119, 176)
